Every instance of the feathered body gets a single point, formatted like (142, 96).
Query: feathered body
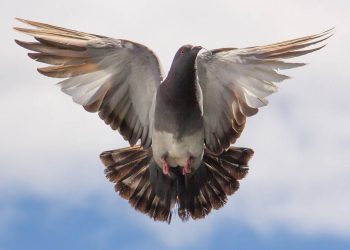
(185, 123)
(178, 132)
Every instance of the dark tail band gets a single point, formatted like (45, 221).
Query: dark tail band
(139, 180)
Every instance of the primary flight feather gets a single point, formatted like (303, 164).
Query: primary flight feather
(185, 122)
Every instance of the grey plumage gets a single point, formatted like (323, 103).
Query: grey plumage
(185, 123)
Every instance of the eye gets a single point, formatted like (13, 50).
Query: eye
(182, 51)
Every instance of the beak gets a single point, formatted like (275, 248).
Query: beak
(197, 48)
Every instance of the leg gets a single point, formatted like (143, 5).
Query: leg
(165, 167)
(187, 168)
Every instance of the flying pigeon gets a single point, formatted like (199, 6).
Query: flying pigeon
(185, 122)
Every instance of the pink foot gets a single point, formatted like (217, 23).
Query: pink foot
(165, 167)
(187, 168)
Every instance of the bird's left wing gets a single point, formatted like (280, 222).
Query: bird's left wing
(236, 82)
(117, 78)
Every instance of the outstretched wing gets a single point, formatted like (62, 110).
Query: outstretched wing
(236, 82)
(114, 77)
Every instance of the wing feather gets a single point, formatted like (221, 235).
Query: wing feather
(236, 83)
(116, 78)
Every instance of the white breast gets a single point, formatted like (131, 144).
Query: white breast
(178, 151)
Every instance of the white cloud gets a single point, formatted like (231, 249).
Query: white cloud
(299, 174)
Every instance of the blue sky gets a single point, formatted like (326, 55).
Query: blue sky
(84, 228)
(53, 193)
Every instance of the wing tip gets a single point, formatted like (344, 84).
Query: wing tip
(32, 55)
(24, 30)
(20, 19)
(325, 35)
(20, 43)
(41, 71)
(330, 31)
(29, 22)
(17, 29)
(45, 71)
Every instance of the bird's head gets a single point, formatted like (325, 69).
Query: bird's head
(187, 52)
(185, 58)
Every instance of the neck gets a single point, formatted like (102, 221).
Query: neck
(182, 80)
(180, 88)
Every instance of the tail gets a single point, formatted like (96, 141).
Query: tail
(139, 180)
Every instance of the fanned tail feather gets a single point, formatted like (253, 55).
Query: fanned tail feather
(129, 168)
(139, 180)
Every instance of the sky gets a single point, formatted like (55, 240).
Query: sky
(53, 192)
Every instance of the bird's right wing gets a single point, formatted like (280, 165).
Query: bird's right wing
(114, 77)
(236, 82)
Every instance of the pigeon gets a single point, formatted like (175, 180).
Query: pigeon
(181, 128)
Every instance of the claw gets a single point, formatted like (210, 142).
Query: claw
(187, 168)
(165, 167)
